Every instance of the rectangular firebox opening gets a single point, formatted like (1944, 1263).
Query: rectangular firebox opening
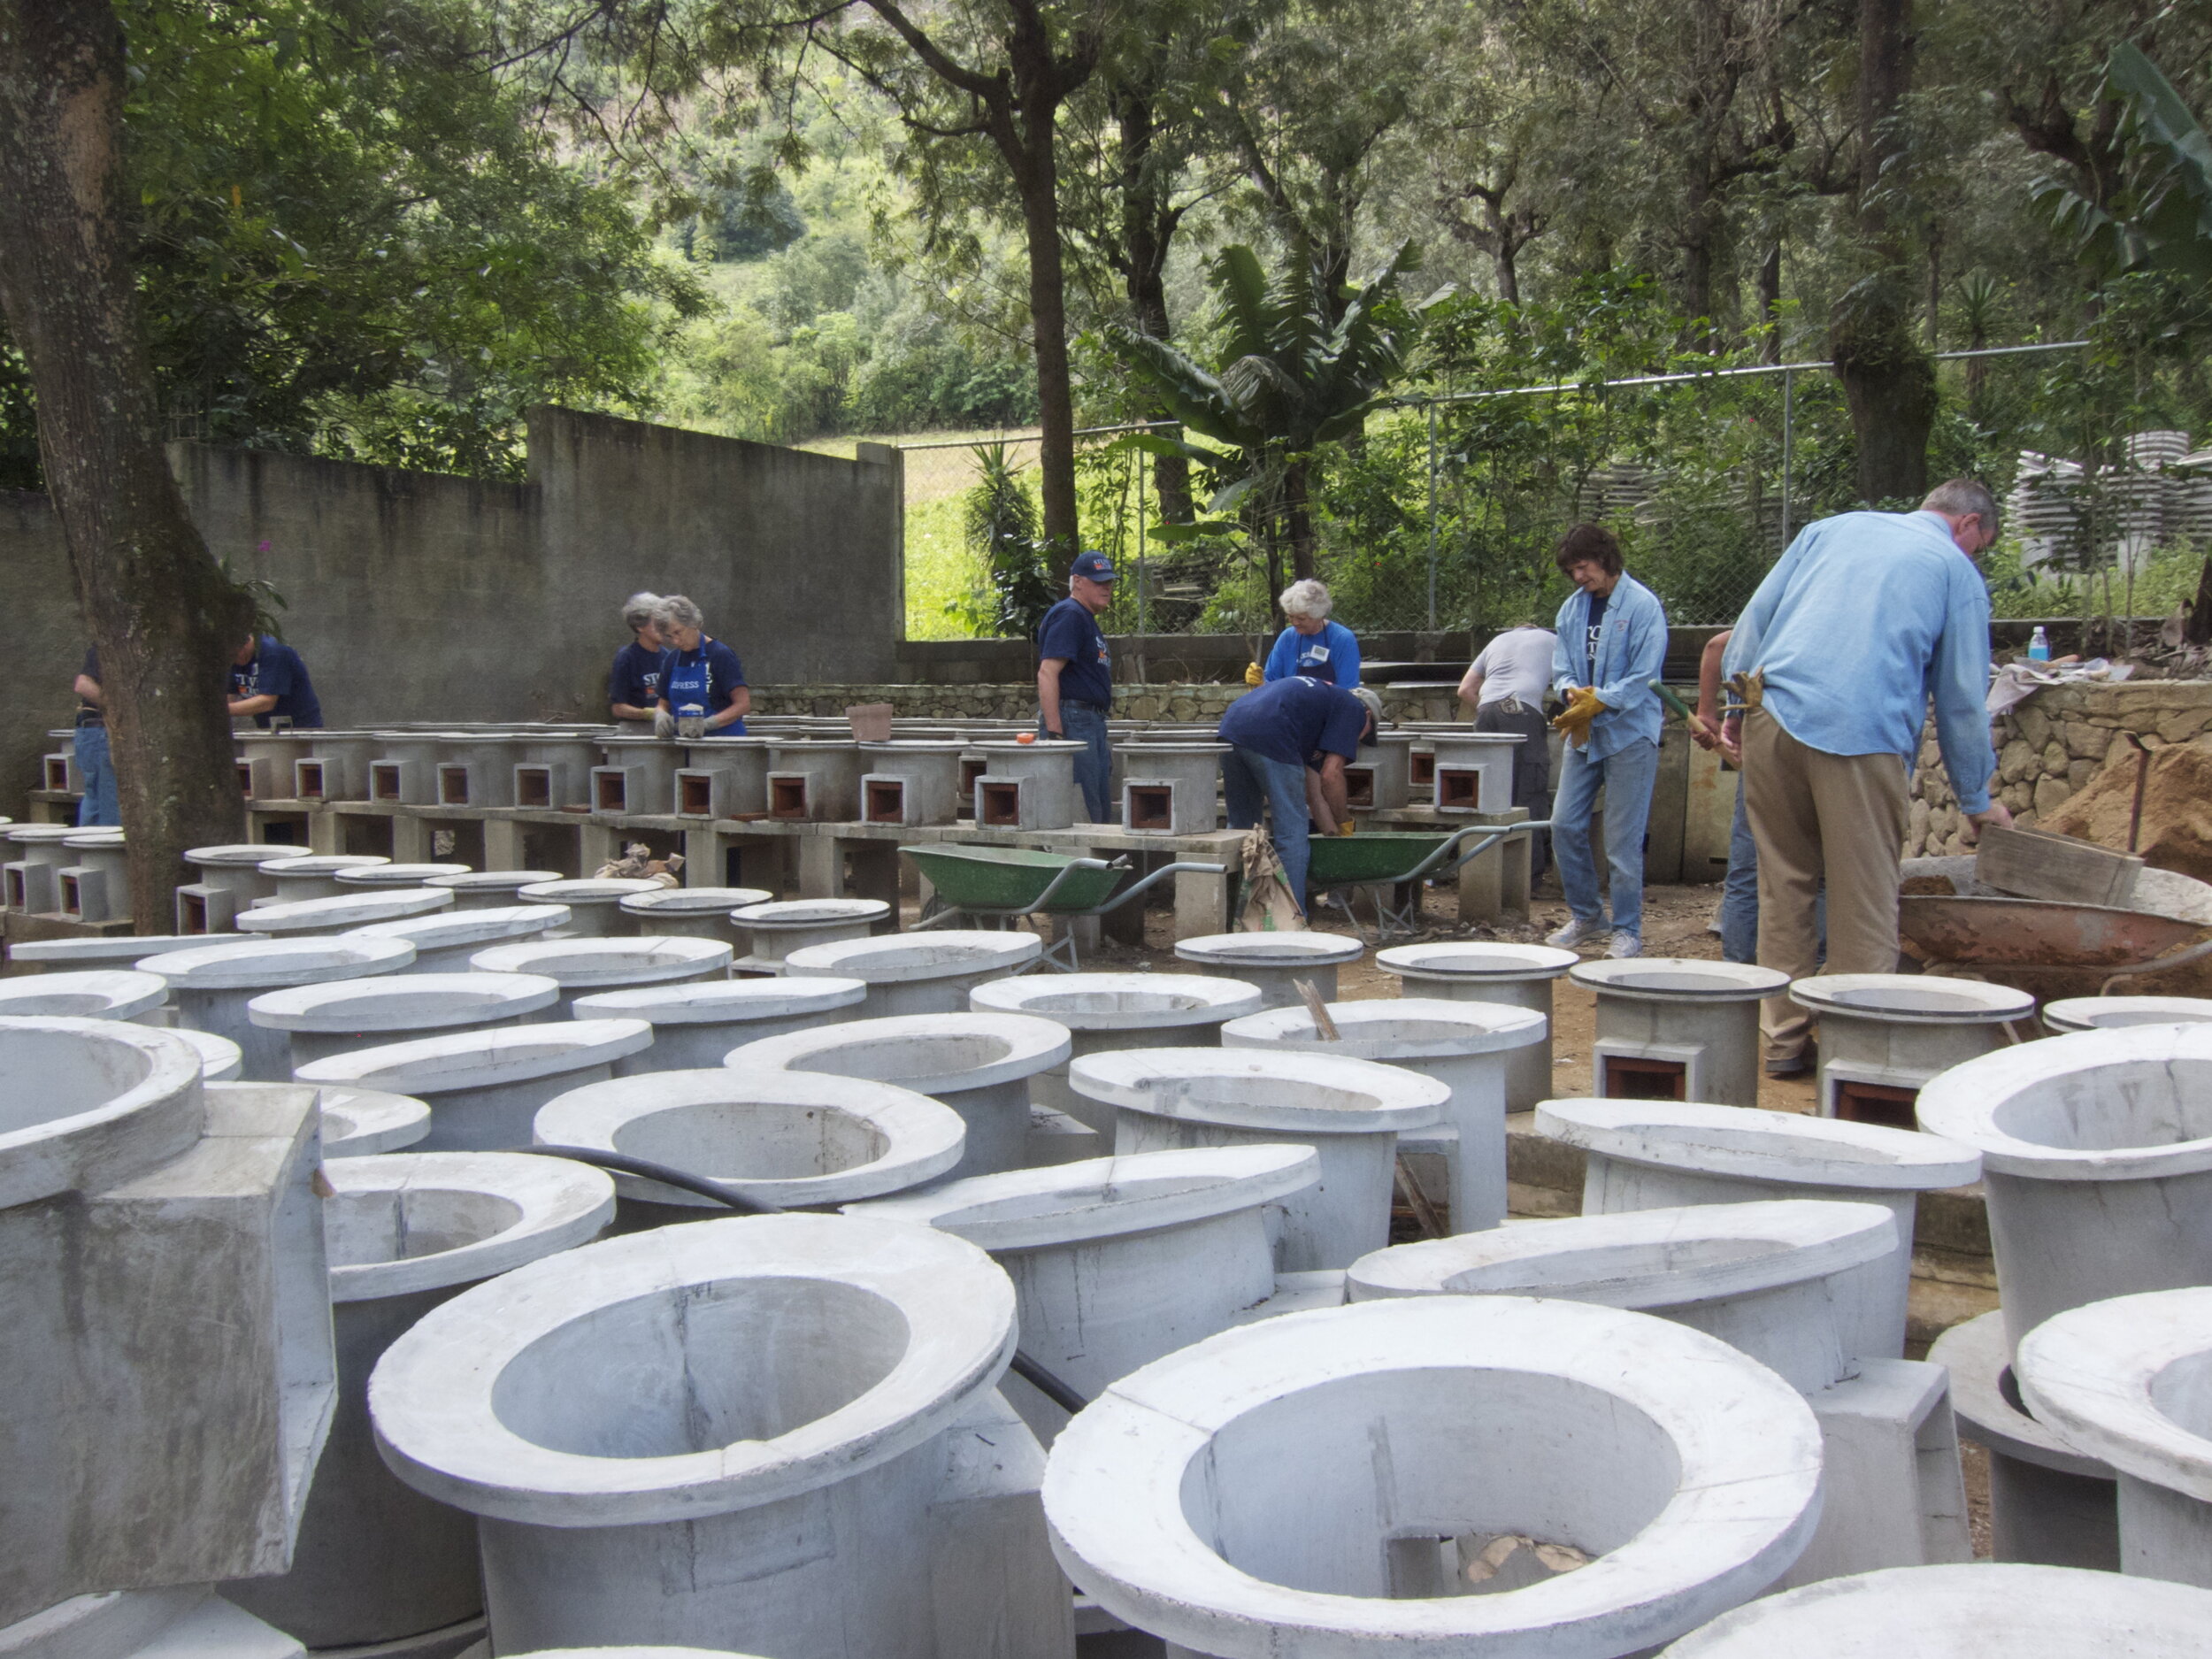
(307, 780)
(1881, 1104)
(1631, 1077)
(533, 786)
(1151, 806)
(1359, 786)
(610, 791)
(1458, 786)
(999, 802)
(786, 797)
(383, 780)
(453, 785)
(883, 802)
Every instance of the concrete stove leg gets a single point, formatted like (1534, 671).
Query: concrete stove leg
(1894, 1497)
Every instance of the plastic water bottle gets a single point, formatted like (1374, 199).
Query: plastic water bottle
(2039, 646)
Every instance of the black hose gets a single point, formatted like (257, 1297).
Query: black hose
(644, 1168)
(622, 1164)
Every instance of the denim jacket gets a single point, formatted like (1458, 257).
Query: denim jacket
(1632, 648)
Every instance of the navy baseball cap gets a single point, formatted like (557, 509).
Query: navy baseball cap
(1093, 565)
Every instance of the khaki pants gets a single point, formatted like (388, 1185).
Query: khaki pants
(1816, 815)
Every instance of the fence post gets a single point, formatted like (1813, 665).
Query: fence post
(1142, 674)
(1789, 448)
(1432, 517)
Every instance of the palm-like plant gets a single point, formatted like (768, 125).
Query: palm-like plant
(1285, 380)
(2160, 218)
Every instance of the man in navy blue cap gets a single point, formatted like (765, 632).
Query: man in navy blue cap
(1075, 676)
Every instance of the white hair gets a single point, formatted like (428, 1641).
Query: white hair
(639, 609)
(678, 612)
(1308, 598)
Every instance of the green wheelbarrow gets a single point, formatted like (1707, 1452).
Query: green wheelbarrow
(1000, 887)
(1386, 859)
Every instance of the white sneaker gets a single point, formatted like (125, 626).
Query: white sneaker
(1576, 932)
(1625, 945)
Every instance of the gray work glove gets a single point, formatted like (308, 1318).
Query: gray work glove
(664, 723)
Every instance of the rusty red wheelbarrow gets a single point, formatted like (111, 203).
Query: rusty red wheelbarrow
(1950, 933)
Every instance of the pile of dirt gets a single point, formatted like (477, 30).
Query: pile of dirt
(2177, 832)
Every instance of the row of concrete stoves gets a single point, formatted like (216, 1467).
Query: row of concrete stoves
(1165, 776)
(330, 1338)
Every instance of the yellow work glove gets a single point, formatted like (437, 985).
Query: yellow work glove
(1345, 828)
(1253, 676)
(1582, 708)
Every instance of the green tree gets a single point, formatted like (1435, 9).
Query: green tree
(1296, 366)
(999, 523)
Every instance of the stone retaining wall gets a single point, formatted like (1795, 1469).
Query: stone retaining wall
(1187, 702)
(2050, 747)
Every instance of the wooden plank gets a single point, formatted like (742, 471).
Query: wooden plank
(2038, 864)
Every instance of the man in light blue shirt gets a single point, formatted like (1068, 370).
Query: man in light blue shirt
(1868, 617)
(1612, 640)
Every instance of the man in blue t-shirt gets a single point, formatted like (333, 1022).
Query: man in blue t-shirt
(1075, 676)
(634, 688)
(269, 681)
(1288, 743)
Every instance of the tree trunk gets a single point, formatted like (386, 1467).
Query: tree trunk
(1148, 227)
(1025, 133)
(1049, 325)
(164, 617)
(1888, 377)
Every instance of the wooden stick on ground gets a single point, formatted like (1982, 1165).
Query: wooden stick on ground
(1324, 1026)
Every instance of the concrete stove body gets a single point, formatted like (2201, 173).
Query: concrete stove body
(1517, 976)
(929, 973)
(337, 1016)
(1884, 1035)
(1779, 1281)
(693, 1434)
(1672, 1028)
(213, 986)
(697, 1023)
(1350, 1112)
(1274, 963)
(1232, 1498)
(1649, 1154)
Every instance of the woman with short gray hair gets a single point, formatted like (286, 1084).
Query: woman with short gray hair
(634, 687)
(1312, 647)
(703, 674)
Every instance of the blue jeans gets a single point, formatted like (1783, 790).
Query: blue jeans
(1740, 897)
(1251, 780)
(1095, 768)
(98, 804)
(1626, 777)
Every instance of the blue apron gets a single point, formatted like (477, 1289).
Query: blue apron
(694, 682)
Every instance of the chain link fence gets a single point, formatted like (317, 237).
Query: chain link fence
(1443, 514)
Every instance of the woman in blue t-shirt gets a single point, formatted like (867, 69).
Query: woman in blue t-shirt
(698, 671)
(1312, 647)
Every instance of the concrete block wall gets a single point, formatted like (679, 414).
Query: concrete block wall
(2049, 748)
(421, 597)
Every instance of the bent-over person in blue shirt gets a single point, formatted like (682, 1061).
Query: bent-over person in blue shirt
(1312, 645)
(268, 681)
(1611, 643)
(1075, 677)
(1288, 743)
(1867, 618)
